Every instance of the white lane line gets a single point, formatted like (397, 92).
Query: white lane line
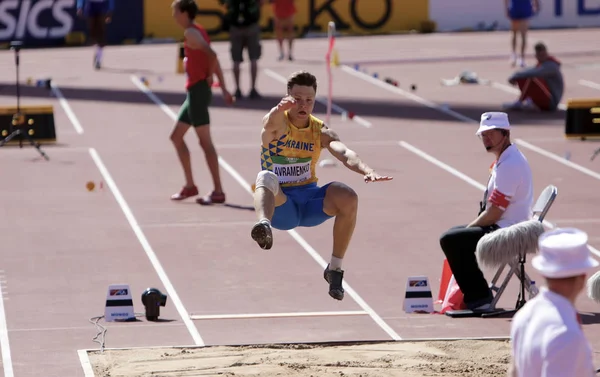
(147, 248)
(462, 176)
(558, 159)
(466, 119)
(4, 344)
(309, 249)
(277, 315)
(442, 165)
(513, 90)
(65, 105)
(358, 119)
(589, 84)
(84, 359)
(395, 89)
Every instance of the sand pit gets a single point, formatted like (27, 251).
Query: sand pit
(481, 358)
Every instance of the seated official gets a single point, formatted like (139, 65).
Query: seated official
(541, 86)
(507, 200)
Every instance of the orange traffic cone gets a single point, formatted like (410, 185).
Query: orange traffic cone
(446, 275)
(454, 298)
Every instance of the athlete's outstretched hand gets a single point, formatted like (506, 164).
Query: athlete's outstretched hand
(286, 103)
(374, 177)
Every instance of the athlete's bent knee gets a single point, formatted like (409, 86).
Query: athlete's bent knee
(268, 180)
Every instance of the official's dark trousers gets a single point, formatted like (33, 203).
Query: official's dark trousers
(459, 244)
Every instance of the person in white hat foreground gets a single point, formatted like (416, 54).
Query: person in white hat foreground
(508, 200)
(547, 339)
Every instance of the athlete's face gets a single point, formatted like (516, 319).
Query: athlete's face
(179, 16)
(305, 101)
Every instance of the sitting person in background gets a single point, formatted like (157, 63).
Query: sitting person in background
(541, 86)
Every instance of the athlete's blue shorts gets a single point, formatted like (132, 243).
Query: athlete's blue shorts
(303, 207)
(521, 11)
(95, 9)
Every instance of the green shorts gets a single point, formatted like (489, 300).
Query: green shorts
(194, 110)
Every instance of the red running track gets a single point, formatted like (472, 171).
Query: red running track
(63, 245)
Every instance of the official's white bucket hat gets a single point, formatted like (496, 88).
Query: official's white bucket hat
(563, 253)
(493, 120)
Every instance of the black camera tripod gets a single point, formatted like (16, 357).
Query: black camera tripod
(18, 119)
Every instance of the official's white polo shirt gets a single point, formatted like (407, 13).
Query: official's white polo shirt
(547, 340)
(510, 187)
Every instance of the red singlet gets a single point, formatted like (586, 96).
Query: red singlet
(196, 61)
(284, 8)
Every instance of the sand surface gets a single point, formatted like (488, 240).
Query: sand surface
(481, 358)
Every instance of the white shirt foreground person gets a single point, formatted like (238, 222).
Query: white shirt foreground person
(547, 339)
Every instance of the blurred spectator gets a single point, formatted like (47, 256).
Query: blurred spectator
(284, 11)
(98, 13)
(243, 17)
(519, 12)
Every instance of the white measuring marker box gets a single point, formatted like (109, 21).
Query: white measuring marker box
(119, 304)
(418, 296)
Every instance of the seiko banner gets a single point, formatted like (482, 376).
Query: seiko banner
(48, 22)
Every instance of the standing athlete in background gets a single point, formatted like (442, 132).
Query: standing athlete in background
(519, 12)
(98, 13)
(201, 63)
(283, 14)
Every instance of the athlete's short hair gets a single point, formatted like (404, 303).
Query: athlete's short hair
(187, 6)
(302, 78)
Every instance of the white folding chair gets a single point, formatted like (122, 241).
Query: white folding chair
(528, 232)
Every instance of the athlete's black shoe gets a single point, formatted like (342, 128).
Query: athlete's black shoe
(334, 278)
(262, 234)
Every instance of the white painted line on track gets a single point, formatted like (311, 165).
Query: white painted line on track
(442, 165)
(589, 84)
(462, 176)
(558, 159)
(307, 247)
(84, 359)
(4, 343)
(174, 297)
(358, 119)
(65, 105)
(403, 93)
(277, 315)
(466, 119)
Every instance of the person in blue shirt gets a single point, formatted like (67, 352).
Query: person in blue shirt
(98, 14)
(519, 12)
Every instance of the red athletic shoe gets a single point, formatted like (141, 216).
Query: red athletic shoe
(185, 193)
(213, 198)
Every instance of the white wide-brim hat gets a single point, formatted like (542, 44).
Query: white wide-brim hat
(564, 252)
(493, 120)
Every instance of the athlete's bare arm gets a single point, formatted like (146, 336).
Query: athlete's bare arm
(274, 121)
(219, 72)
(350, 159)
